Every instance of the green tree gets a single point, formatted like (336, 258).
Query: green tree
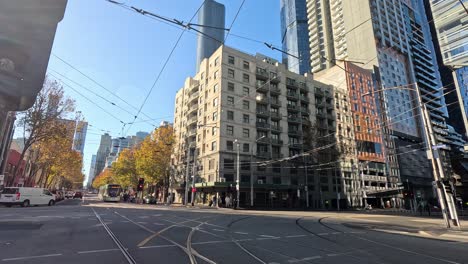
(124, 169)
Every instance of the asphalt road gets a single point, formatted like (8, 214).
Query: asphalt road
(95, 232)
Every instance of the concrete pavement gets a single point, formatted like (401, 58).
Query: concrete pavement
(96, 232)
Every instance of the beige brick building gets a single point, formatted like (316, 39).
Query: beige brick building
(255, 104)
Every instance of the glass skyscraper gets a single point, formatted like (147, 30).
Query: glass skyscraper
(295, 35)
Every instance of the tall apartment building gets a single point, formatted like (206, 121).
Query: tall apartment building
(294, 35)
(450, 35)
(212, 18)
(102, 153)
(391, 38)
(92, 170)
(254, 105)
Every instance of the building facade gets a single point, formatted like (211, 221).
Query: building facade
(294, 35)
(392, 39)
(92, 170)
(103, 151)
(274, 118)
(212, 17)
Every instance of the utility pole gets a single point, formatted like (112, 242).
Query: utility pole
(445, 197)
(238, 174)
(306, 187)
(194, 171)
(187, 172)
(337, 192)
(429, 140)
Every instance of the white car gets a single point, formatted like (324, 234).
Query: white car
(69, 194)
(26, 196)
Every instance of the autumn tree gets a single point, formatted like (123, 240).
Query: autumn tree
(153, 156)
(124, 168)
(58, 162)
(105, 177)
(39, 122)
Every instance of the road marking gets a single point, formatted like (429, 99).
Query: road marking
(323, 234)
(159, 224)
(157, 215)
(218, 230)
(336, 233)
(211, 242)
(158, 246)
(267, 236)
(32, 257)
(142, 217)
(142, 223)
(295, 236)
(124, 221)
(98, 250)
(241, 233)
(304, 259)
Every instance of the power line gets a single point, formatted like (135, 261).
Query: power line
(163, 68)
(233, 21)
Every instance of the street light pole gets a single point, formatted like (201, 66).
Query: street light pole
(194, 170)
(238, 173)
(187, 172)
(251, 172)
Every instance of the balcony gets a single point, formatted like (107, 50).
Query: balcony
(321, 115)
(295, 132)
(304, 98)
(262, 99)
(274, 89)
(319, 92)
(292, 96)
(275, 115)
(276, 128)
(261, 86)
(293, 107)
(263, 112)
(194, 96)
(274, 78)
(276, 141)
(296, 146)
(193, 108)
(291, 83)
(192, 119)
(192, 132)
(262, 125)
(261, 74)
(277, 156)
(305, 110)
(276, 103)
(294, 119)
(263, 140)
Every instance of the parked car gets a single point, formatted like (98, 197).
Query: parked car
(78, 195)
(58, 195)
(69, 194)
(26, 196)
(149, 199)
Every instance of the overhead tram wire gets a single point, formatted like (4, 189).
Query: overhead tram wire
(97, 83)
(233, 21)
(96, 94)
(163, 68)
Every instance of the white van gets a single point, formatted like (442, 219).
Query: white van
(26, 196)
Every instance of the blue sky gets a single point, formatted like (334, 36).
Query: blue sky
(124, 51)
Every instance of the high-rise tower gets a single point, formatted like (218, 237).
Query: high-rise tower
(295, 35)
(212, 18)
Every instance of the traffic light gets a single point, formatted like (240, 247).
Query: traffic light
(141, 181)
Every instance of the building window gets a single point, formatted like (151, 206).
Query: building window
(246, 147)
(230, 115)
(215, 88)
(276, 168)
(245, 165)
(230, 100)
(246, 105)
(231, 60)
(358, 128)
(246, 118)
(215, 76)
(229, 163)
(214, 131)
(213, 146)
(230, 87)
(245, 91)
(246, 65)
(245, 132)
(230, 130)
(215, 116)
(216, 62)
(211, 164)
(229, 145)
(231, 73)
(245, 178)
(245, 78)
(356, 107)
(215, 102)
